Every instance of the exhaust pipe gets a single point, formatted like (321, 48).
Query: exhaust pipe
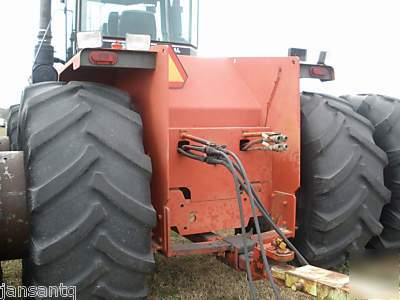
(43, 69)
(45, 22)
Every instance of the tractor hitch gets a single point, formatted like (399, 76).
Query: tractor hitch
(274, 247)
(314, 281)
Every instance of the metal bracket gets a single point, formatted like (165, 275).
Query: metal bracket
(14, 225)
(322, 58)
(4, 143)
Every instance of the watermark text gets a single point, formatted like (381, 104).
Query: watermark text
(47, 292)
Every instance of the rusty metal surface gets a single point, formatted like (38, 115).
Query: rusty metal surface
(200, 248)
(275, 249)
(277, 254)
(204, 237)
(236, 242)
(215, 206)
(14, 226)
(4, 143)
(320, 283)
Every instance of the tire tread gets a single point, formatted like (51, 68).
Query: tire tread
(340, 201)
(106, 244)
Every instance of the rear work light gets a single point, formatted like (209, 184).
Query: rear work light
(89, 39)
(105, 58)
(138, 42)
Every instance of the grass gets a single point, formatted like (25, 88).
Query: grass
(204, 277)
(12, 272)
(193, 277)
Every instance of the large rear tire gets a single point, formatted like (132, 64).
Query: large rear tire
(12, 126)
(88, 191)
(384, 114)
(342, 191)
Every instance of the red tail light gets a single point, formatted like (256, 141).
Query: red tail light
(319, 71)
(103, 58)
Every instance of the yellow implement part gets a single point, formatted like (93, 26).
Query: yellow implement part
(321, 283)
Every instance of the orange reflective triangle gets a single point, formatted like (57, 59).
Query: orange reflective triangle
(177, 75)
(173, 73)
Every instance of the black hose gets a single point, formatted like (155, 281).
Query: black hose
(191, 155)
(265, 213)
(220, 155)
(196, 148)
(268, 217)
(228, 164)
(258, 230)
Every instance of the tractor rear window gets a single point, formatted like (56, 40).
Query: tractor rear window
(173, 21)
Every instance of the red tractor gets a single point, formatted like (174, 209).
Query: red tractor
(137, 141)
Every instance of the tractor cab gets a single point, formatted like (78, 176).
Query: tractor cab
(164, 21)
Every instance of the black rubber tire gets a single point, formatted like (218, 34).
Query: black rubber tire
(342, 189)
(384, 114)
(88, 182)
(12, 126)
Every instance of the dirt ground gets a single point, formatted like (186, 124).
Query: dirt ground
(196, 277)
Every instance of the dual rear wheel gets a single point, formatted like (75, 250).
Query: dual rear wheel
(88, 182)
(89, 195)
(384, 114)
(350, 193)
(342, 186)
(12, 126)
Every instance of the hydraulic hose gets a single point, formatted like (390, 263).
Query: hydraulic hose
(268, 217)
(231, 169)
(239, 167)
(257, 225)
(216, 154)
(186, 150)
(225, 160)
